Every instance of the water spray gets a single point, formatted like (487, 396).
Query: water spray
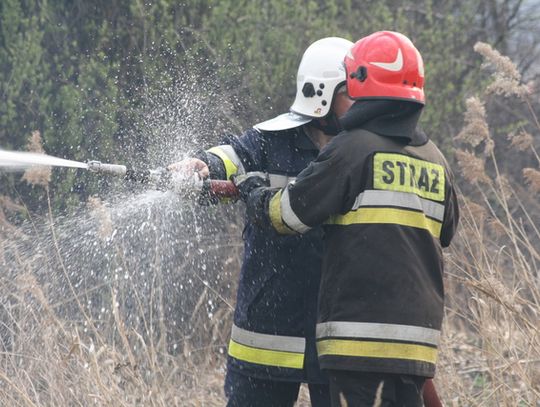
(16, 160)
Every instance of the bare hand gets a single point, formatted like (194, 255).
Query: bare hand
(190, 165)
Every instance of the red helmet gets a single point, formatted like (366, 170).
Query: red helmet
(385, 65)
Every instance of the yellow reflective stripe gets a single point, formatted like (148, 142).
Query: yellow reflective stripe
(274, 212)
(266, 357)
(230, 166)
(386, 350)
(395, 216)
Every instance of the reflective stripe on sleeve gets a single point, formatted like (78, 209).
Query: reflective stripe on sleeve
(396, 332)
(274, 212)
(381, 350)
(231, 161)
(388, 216)
(269, 350)
(400, 199)
(288, 216)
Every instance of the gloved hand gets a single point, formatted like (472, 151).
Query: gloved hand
(190, 165)
(250, 181)
(186, 179)
(187, 185)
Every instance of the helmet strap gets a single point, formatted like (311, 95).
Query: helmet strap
(329, 124)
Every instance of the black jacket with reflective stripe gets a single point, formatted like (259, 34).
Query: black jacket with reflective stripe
(388, 207)
(275, 314)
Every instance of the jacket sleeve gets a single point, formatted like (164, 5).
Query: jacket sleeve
(235, 155)
(318, 192)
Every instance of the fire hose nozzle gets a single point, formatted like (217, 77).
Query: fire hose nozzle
(109, 169)
(163, 179)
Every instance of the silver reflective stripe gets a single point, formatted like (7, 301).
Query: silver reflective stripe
(229, 151)
(240, 179)
(396, 332)
(276, 180)
(400, 199)
(279, 181)
(265, 341)
(288, 216)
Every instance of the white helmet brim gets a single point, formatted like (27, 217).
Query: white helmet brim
(284, 121)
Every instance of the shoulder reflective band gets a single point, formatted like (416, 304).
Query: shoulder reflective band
(388, 216)
(398, 172)
(264, 349)
(365, 330)
(403, 200)
(231, 161)
(380, 350)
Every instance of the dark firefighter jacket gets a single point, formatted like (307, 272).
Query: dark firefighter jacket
(273, 335)
(388, 206)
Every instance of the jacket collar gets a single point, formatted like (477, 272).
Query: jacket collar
(388, 118)
(302, 140)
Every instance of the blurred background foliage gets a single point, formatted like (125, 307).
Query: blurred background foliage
(78, 71)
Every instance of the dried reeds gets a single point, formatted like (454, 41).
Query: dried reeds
(472, 167)
(533, 179)
(521, 140)
(492, 333)
(476, 128)
(37, 175)
(506, 77)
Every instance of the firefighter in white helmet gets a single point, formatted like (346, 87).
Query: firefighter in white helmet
(272, 346)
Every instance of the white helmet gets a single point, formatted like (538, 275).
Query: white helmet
(320, 74)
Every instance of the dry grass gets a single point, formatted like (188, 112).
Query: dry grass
(67, 368)
(490, 353)
(491, 348)
(58, 351)
(47, 360)
(491, 345)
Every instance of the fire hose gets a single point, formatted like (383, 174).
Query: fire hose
(162, 178)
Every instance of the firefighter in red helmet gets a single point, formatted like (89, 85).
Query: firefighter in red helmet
(385, 196)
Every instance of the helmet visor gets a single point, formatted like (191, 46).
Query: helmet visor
(284, 121)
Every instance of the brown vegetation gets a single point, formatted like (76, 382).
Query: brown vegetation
(491, 349)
